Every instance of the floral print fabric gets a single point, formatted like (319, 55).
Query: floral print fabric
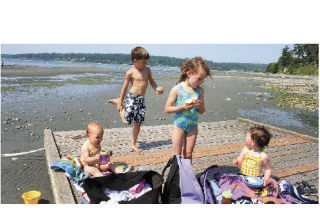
(135, 108)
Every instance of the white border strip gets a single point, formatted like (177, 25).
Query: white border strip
(21, 153)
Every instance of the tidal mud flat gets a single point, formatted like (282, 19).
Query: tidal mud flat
(64, 99)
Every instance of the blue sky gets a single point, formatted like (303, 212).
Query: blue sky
(243, 53)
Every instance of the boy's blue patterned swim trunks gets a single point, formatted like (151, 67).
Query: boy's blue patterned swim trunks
(135, 108)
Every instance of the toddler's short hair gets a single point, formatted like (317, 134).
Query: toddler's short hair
(139, 53)
(260, 135)
(93, 125)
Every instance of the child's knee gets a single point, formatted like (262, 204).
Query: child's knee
(87, 169)
(137, 125)
(91, 170)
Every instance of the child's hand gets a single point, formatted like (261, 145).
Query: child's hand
(236, 162)
(188, 107)
(119, 107)
(198, 102)
(159, 90)
(265, 181)
(97, 158)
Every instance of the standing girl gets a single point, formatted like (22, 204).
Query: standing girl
(186, 99)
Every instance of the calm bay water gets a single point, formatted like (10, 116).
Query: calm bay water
(109, 77)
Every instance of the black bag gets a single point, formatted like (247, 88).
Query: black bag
(181, 185)
(123, 181)
(171, 190)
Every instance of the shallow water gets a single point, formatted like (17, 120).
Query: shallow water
(300, 121)
(110, 77)
(273, 116)
(39, 94)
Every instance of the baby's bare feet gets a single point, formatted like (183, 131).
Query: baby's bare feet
(114, 101)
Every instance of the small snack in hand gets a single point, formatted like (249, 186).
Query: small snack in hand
(189, 101)
(194, 99)
(160, 89)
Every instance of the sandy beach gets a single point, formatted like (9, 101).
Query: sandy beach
(27, 112)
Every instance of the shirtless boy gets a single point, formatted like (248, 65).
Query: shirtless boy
(135, 108)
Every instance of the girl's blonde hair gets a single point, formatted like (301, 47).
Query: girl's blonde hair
(193, 65)
(93, 125)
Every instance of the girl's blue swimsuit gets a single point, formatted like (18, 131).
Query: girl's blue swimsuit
(186, 120)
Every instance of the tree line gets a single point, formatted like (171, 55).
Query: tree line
(302, 59)
(126, 59)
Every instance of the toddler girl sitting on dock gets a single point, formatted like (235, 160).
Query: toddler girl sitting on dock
(252, 158)
(91, 150)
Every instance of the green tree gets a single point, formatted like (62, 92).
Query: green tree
(312, 53)
(286, 57)
(298, 50)
(273, 68)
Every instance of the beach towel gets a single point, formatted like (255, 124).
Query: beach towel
(73, 170)
(273, 193)
(239, 189)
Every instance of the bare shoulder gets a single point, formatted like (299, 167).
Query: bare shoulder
(175, 89)
(265, 157)
(174, 92)
(84, 148)
(244, 149)
(130, 71)
(148, 70)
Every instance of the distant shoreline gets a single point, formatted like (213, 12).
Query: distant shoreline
(115, 58)
(29, 71)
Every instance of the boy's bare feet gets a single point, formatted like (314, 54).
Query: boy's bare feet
(114, 101)
(135, 149)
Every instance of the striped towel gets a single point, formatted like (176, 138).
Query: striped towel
(73, 170)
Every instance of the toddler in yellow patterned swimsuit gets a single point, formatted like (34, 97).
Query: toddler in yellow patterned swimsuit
(252, 158)
(90, 152)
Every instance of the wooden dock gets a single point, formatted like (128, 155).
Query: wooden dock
(294, 157)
